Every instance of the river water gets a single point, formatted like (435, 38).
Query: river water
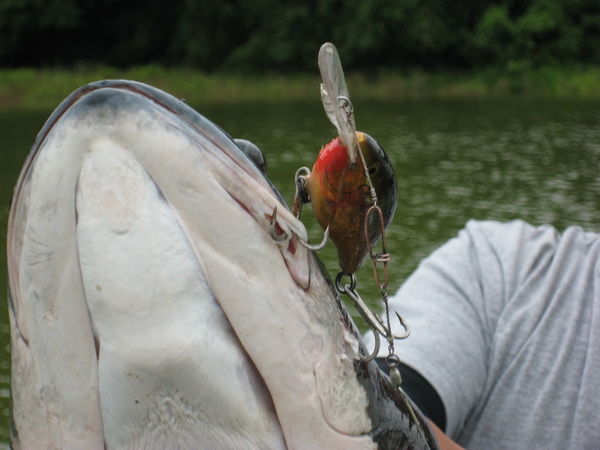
(455, 160)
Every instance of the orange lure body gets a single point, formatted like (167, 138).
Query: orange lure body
(341, 196)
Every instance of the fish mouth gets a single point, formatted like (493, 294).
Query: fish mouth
(133, 211)
(236, 174)
(140, 243)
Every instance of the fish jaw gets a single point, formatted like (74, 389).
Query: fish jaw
(55, 339)
(271, 304)
(171, 370)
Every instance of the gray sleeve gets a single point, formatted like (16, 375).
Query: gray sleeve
(452, 303)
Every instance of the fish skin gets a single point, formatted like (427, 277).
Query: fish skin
(56, 397)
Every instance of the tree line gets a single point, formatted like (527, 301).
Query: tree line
(283, 36)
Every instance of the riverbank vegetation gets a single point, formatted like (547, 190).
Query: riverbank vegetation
(44, 88)
(265, 36)
(226, 50)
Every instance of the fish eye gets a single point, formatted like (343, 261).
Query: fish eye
(253, 153)
(373, 169)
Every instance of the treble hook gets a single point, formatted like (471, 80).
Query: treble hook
(372, 320)
(404, 325)
(301, 195)
(375, 351)
(320, 245)
(389, 337)
(283, 237)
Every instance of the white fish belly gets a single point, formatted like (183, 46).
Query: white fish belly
(172, 374)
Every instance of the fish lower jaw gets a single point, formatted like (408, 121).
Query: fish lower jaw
(170, 402)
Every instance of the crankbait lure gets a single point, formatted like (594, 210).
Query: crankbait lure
(341, 194)
(351, 174)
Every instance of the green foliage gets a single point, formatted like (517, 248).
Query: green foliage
(43, 89)
(283, 36)
(22, 19)
(543, 32)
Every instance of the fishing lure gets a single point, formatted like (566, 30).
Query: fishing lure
(351, 174)
(353, 191)
(341, 194)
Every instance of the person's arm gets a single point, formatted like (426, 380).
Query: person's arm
(462, 335)
(444, 442)
(447, 303)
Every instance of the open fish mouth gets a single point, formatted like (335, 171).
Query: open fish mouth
(221, 157)
(151, 305)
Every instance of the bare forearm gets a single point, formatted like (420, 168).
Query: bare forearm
(444, 441)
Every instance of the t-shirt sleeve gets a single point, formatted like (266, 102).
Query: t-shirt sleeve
(452, 303)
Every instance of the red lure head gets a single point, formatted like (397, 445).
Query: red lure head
(342, 184)
(340, 195)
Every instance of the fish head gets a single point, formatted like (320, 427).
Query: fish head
(156, 296)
